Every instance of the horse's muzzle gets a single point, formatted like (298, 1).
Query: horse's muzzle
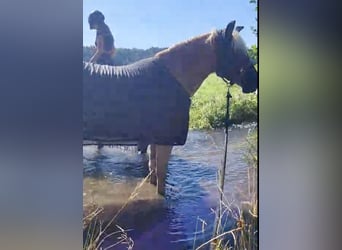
(250, 80)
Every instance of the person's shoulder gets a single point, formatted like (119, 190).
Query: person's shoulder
(104, 28)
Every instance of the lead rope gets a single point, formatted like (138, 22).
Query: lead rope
(222, 174)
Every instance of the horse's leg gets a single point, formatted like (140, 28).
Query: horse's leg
(153, 164)
(162, 157)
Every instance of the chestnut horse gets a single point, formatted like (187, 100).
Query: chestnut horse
(188, 63)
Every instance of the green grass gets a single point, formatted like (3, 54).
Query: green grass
(208, 106)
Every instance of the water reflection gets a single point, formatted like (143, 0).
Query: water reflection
(191, 195)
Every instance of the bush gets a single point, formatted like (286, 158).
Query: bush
(208, 108)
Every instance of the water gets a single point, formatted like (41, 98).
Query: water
(191, 189)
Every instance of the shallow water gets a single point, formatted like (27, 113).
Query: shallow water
(191, 192)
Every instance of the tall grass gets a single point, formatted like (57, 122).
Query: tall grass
(248, 238)
(208, 107)
(96, 232)
(244, 235)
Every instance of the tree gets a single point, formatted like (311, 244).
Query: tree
(253, 52)
(124, 56)
(254, 29)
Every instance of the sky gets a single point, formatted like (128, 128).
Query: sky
(161, 23)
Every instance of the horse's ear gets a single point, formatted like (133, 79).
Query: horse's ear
(229, 30)
(239, 28)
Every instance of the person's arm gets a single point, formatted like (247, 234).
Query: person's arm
(99, 49)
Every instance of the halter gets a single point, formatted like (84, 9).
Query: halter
(223, 62)
(224, 56)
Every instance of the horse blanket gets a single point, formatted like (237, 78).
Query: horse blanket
(140, 102)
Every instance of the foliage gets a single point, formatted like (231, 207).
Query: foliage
(123, 56)
(243, 234)
(208, 104)
(253, 52)
(247, 237)
(254, 29)
(208, 107)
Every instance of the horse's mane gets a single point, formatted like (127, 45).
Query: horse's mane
(238, 43)
(182, 44)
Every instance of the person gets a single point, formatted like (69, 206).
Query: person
(104, 43)
(104, 39)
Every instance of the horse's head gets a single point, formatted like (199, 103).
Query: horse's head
(233, 62)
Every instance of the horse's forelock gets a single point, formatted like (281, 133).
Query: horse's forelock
(238, 42)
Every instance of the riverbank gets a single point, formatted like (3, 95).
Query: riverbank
(208, 107)
(245, 234)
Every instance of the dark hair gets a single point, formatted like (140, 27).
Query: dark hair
(96, 17)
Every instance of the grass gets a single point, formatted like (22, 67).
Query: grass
(208, 110)
(247, 237)
(208, 107)
(96, 233)
(245, 233)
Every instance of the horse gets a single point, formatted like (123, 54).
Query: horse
(148, 102)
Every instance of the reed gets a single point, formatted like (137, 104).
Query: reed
(96, 232)
(244, 235)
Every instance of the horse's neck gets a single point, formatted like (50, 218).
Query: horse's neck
(190, 63)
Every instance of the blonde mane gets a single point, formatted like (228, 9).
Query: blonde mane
(238, 42)
(185, 61)
(183, 44)
(191, 61)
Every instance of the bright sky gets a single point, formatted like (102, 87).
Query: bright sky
(161, 23)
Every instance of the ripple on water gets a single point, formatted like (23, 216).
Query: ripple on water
(191, 184)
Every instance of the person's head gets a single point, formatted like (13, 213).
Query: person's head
(95, 18)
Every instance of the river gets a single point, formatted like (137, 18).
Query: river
(111, 174)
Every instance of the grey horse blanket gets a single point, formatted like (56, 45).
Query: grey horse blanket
(140, 102)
